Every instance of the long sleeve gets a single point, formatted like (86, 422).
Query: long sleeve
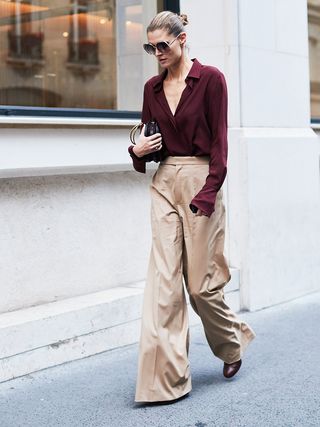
(217, 118)
(138, 163)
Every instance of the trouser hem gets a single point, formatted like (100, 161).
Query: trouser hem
(159, 398)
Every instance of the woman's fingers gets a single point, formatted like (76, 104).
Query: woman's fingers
(154, 137)
(156, 147)
(150, 143)
(156, 144)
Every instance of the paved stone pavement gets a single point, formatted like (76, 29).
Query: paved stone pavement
(278, 384)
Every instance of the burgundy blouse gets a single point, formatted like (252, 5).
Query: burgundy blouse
(198, 127)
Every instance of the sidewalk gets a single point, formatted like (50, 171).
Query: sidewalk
(278, 384)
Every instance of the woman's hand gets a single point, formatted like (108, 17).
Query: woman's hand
(200, 213)
(147, 144)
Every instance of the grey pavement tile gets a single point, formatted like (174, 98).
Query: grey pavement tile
(278, 384)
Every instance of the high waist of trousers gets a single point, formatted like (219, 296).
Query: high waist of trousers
(185, 160)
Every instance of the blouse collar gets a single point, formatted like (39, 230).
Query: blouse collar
(194, 73)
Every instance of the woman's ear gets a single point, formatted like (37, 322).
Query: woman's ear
(183, 38)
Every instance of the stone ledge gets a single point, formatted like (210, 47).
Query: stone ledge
(39, 337)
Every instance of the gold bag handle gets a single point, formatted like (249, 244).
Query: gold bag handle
(133, 132)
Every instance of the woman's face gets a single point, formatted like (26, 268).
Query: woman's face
(173, 54)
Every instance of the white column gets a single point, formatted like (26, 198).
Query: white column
(273, 176)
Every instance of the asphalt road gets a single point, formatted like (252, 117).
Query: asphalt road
(277, 385)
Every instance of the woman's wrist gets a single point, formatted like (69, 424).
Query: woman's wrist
(135, 151)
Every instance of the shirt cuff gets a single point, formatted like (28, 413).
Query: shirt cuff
(207, 207)
(138, 163)
(131, 152)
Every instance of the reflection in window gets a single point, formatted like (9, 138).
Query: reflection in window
(83, 41)
(74, 53)
(24, 40)
(314, 55)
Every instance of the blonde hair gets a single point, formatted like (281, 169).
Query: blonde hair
(169, 21)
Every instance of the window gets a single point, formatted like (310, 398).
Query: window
(74, 56)
(314, 57)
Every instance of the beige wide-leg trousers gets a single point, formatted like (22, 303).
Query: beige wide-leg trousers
(186, 247)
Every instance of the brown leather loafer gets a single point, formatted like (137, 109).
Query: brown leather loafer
(230, 369)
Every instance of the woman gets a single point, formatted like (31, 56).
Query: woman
(189, 102)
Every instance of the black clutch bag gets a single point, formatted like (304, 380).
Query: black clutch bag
(151, 128)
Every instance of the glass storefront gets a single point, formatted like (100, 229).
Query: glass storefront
(84, 54)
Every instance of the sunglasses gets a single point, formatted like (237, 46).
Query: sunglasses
(162, 47)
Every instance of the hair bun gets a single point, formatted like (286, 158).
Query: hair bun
(184, 19)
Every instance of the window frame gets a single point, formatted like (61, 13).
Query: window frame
(18, 111)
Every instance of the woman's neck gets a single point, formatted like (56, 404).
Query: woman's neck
(179, 71)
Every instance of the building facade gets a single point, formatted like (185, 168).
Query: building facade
(75, 216)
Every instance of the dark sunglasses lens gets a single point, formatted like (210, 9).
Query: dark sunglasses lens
(149, 49)
(162, 47)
